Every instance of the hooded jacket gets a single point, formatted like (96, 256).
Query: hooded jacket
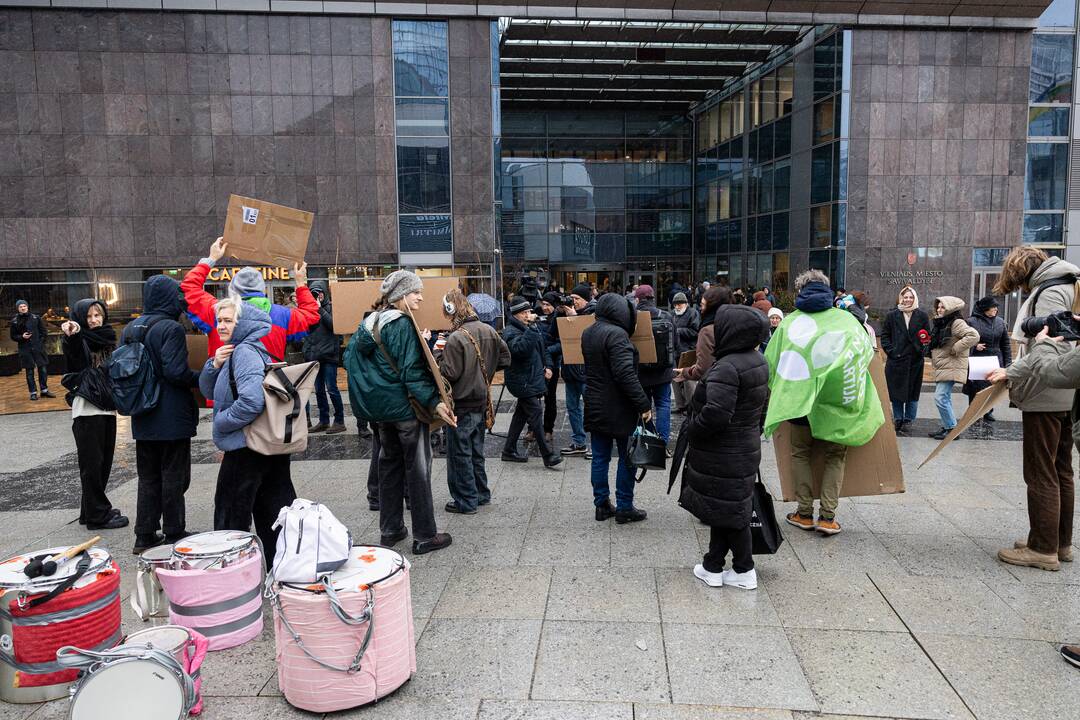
(614, 398)
(175, 417)
(704, 346)
(460, 365)
(287, 324)
(248, 365)
(378, 393)
(905, 350)
(725, 422)
(994, 335)
(529, 358)
(321, 343)
(950, 360)
(87, 353)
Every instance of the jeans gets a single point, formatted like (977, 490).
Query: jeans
(527, 411)
(1048, 474)
(43, 378)
(739, 542)
(575, 411)
(326, 382)
(465, 472)
(405, 461)
(95, 440)
(905, 411)
(164, 468)
(661, 398)
(832, 478)
(250, 484)
(624, 478)
(943, 400)
(551, 403)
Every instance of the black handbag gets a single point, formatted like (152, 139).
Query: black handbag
(764, 529)
(646, 450)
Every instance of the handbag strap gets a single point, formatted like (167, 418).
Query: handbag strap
(483, 370)
(681, 446)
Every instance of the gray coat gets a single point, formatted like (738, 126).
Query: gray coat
(1051, 300)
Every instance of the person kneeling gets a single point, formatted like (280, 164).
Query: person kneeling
(724, 430)
(249, 483)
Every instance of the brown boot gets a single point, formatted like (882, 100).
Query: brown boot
(1026, 557)
(1065, 552)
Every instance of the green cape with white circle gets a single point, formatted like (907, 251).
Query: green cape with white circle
(819, 368)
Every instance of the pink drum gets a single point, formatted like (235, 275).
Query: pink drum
(216, 589)
(350, 643)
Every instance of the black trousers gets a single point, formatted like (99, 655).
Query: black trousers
(527, 411)
(250, 485)
(43, 378)
(95, 440)
(551, 405)
(164, 468)
(373, 472)
(405, 462)
(722, 540)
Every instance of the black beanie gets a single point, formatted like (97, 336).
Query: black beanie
(583, 291)
(984, 304)
(518, 303)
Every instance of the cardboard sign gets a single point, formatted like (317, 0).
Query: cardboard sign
(198, 350)
(687, 359)
(444, 393)
(430, 315)
(571, 329)
(983, 402)
(871, 469)
(266, 234)
(352, 301)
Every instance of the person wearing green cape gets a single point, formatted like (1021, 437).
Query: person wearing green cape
(819, 382)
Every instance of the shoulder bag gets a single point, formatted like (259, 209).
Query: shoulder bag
(423, 414)
(489, 413)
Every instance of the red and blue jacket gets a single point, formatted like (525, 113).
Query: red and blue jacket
(287, 324)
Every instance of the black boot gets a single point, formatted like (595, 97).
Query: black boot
(632, 515)
(605, 511)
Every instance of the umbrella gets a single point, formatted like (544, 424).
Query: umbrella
(487, 308)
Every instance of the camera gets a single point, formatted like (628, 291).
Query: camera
(1061, 324)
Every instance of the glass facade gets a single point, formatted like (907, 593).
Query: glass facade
(422, 123)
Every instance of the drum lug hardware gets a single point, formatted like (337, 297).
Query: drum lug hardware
(21, 599)
(5, 643)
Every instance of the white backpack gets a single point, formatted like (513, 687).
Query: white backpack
(312, 543)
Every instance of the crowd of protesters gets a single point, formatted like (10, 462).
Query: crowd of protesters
(731, 361)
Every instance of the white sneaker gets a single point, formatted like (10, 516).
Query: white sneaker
(746, 580)
(710, 579)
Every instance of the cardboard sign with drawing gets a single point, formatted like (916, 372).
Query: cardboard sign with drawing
(264, 233)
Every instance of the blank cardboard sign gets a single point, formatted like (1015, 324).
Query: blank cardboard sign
(353, 299)
(871, 469)
(265, 233)
(571, 329)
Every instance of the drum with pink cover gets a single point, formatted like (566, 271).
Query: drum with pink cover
(349, 641)
(216, 588)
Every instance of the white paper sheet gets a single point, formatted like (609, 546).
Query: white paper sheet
(980, 367)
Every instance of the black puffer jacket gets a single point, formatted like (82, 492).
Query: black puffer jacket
(725, 423)
(528, 358)
(994, 335)
(614, 398)
(321, 343)
(687, 326)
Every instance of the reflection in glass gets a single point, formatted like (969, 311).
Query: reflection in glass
(1047, 169)
(1051, 68)
(423, 175)
(821, 226)
(785, 88)
(422, 116)
(821, 176)
(425, 233)
(1048, 121)
(1043, 228)
(421, 60)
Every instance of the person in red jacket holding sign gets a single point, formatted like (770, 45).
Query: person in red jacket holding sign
(287, 324)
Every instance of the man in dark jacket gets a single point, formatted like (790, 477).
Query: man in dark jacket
(526, 379)
(163, 435)
(322, 345)
(551, 308)
(656, 377)
(29, 332)
(573, 376)
(993, 342)
(614, 401)
(687, 321)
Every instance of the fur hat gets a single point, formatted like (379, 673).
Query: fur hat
(400, 283)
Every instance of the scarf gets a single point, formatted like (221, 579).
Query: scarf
(942, 331)
(99, 341)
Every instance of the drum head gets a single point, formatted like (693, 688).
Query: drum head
(213, 544)
(367, 565)
(169, 638)
(129, 689)
(159, 554)
(12, 575)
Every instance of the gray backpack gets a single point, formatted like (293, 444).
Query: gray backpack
(281, 428)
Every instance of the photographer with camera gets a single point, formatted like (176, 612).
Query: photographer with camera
(1051, 285)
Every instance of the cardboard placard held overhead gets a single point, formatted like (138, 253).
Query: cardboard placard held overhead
(351, 301)
(571, 329)
(265, 233)
(983, 402)
(444, 395)
(871, 469)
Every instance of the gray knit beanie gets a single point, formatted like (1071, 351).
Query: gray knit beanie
(247, 281)
(400, 283)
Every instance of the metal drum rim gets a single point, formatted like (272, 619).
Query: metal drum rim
(86, 680)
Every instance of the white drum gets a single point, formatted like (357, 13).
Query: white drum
(129, 689)
(215, 549)
(172, 639)
(148, 599)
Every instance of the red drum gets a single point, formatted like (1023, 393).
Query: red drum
(32, 628)
(351, 643)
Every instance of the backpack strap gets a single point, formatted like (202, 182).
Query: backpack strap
(489, 415)
(1064, 280)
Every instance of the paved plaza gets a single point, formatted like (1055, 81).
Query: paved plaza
(537, 612)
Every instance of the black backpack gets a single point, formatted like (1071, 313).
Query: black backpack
(135, 383)
(663, 332)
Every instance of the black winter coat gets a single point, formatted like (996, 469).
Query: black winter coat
(995, 335)
(528, 359)
(614, 398)
(175, 417)
(32, 350)
(653, 375)
(321, 343)
(687, 326)
(725, 423)
(904, 353)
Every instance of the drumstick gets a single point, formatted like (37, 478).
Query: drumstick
(47, 567)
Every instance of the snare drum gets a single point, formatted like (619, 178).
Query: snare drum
(374, 654)
(216, 549)
(129, 689)
(88, 614)
(148, 600)
(187, 646)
